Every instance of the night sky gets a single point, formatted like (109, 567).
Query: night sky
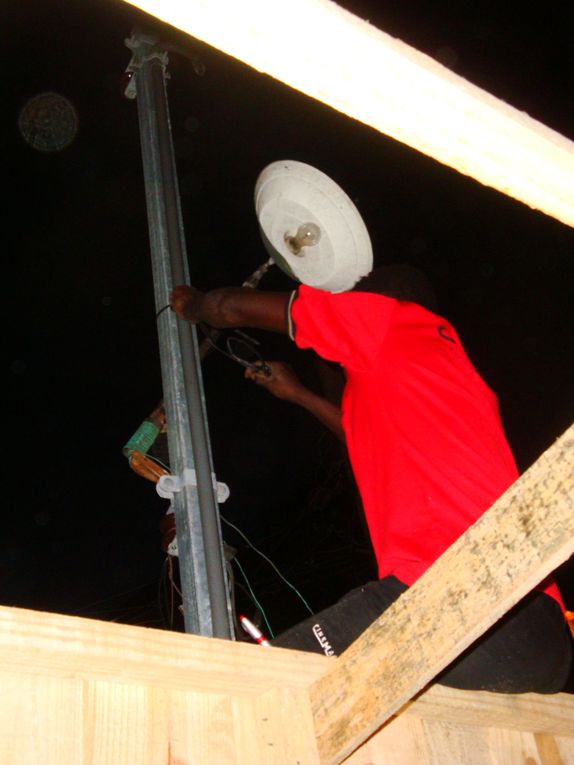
(81, 532)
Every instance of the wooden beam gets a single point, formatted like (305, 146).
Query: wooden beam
(331, 55)
(545, 714)
(103, 692)
(524, 536)
(408, 740)
(70, 646)
(88, 649)
(45, 644)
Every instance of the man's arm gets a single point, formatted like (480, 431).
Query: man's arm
(285, 384)
(244, 307)
(232, 307)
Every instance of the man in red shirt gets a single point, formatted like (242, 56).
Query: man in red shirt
(427, 449)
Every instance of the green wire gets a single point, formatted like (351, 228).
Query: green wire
(257, 603)
(273, 566)
(287, 582)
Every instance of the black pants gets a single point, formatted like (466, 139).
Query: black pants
(529, 649)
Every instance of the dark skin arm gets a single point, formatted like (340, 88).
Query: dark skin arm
(284, 384)
(232, 307)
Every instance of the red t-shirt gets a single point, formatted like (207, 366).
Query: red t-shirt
(423, 429)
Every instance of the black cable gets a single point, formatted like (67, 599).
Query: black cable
(239, 338)
(161, 310)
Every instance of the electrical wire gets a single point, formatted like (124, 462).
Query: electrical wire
(254, 597)
(162, 593)
(157, 460)
(239, 338)
(161, 310)
(259, 552)
(247, 540)
(287, 582)
(108, 599)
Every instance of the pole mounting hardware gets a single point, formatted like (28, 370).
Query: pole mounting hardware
(144, 48)
(168, 485)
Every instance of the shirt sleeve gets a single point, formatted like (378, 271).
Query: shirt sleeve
(348, 327)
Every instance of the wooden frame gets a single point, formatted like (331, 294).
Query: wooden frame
(82, 692)
(79, 691)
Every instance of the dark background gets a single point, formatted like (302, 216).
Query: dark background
(81, 530)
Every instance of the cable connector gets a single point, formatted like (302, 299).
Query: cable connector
(168, 485)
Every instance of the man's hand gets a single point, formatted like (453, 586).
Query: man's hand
(186, 302)
(282, 382)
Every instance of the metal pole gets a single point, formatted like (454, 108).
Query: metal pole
(206, 602)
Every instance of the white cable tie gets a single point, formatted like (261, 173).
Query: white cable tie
(168, 485)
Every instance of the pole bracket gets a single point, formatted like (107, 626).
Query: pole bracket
(144, 48)
(168, 485)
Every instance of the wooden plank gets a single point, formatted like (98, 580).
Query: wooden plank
(390, 86)
(93, 699)
(402, 743)
(68, 646)
(67, 721)
(103, 722)
(199, 729)
(73, 646)
(526, 534)
(412, 741)
(549, 750)
(40, 720)
(565, 748)
(512, 747)
(275, 728)
(115, 723)
(552, 715)
(450, 744)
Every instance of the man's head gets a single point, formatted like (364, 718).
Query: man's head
(402, 282)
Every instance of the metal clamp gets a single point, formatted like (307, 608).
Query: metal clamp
(168, 485)
(144, 48)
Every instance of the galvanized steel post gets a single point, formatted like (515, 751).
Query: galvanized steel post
(206, 600)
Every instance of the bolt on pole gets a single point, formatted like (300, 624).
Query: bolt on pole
(206, 600)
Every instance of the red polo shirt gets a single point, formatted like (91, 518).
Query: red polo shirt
(423, 429)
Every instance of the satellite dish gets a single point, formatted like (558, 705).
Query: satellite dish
(311, 228)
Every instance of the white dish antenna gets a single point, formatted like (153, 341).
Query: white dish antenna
(311, 228)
